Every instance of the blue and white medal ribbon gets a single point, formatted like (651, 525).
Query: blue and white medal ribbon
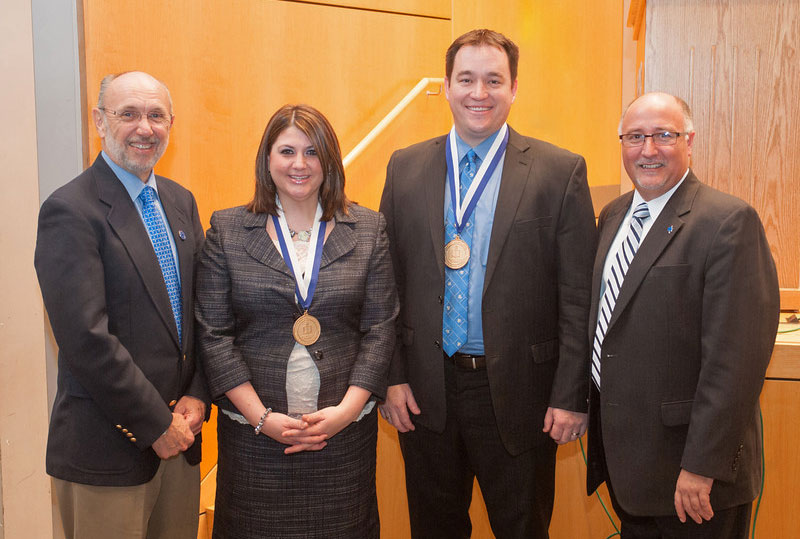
(306, 329)
(456, 252)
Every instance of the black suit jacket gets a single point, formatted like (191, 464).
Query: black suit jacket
(684, 357)
(536, 291)
(120, 362)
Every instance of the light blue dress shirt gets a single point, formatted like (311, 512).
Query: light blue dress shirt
(479, 250)
(133, 185)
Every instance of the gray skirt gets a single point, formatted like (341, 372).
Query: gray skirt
(327, 494)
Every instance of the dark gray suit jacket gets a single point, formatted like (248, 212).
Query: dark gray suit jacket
(536, 290)
(246, 308)
(684, 357)
(120, 362)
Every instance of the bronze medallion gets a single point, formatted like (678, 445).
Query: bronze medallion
(306, 329)
(456, 253)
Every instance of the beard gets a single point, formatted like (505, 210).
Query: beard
(122, 154)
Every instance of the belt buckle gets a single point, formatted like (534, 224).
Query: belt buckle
(474, 365)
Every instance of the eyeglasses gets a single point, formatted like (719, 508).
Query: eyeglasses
(662, 138)
(134, 116)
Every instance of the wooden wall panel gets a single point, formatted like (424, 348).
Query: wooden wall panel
(777, 515)
(423, 8)
(569, 72)
(735, 63)
(229, 70)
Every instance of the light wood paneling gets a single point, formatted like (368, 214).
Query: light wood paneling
(423, 8)
(569, 72)
(229, 70)
(777, 515)
(735, 63)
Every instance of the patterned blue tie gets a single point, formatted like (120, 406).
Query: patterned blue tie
(619, 267)
(158, 235)
(456, 290)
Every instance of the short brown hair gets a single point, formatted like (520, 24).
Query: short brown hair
(313, 124)
(480, 37)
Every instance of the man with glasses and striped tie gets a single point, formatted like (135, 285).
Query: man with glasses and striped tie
(684, 313)
(115, 257)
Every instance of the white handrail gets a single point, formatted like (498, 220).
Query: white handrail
(372, 135)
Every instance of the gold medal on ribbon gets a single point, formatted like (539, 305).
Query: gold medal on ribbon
(306, 329)
(456, 253)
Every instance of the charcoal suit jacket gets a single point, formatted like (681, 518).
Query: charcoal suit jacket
(536, 291)
(685, 353)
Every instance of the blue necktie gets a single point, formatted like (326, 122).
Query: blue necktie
(619, 267)
(158, 236)
(456, 290)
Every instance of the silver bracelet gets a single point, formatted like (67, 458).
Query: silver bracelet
(261, 421)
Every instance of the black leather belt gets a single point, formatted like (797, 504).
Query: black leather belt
(468, 361)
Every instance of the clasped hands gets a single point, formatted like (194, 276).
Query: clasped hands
(310, 432)
(187, 422)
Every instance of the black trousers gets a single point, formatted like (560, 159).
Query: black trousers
(440, 469)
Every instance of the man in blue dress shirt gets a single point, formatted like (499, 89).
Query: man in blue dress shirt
(492, 237)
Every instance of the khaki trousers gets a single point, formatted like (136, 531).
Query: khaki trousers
(166, 507)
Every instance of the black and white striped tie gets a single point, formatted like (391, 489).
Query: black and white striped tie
(619, 267)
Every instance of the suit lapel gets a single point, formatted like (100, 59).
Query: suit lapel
(663, 231)
(259, 245)
(341, 241)
(434, 174)
(124, 219)
(516, 169)
(608, 231)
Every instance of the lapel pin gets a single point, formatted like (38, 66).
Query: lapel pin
(182, 234)
(669, 230)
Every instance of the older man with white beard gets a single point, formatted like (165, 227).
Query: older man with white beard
(115, 258)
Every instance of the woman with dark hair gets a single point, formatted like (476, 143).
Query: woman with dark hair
(296, 304)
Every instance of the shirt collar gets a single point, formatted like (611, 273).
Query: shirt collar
(481, 149)
(129, 180)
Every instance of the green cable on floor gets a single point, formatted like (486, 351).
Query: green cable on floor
(610, 518)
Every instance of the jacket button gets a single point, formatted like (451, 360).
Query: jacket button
(318, 354)
(172, 403)
(441, 299)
